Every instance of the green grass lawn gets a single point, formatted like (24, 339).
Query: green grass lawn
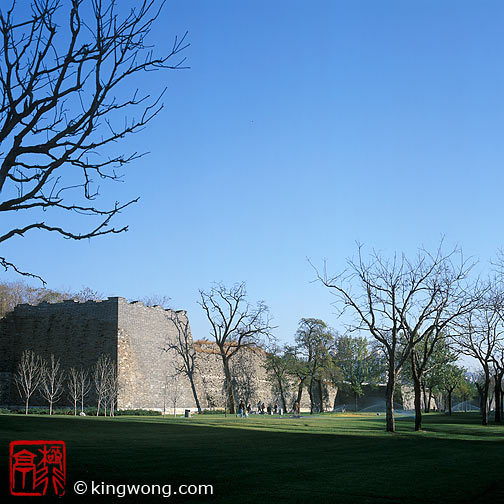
(327, 458)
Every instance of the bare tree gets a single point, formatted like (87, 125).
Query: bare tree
(397, 301)
(183, 347)
(112, 388)
(64, 66)
(87, 294)
(100, 379)
(478, 335)
(157, 300)
(52, 381)
(84, 384)
(174, 391)
(73, 387)
(446, 298)
(235, 324)
(28, 376)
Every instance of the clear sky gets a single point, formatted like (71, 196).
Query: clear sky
(300, 128)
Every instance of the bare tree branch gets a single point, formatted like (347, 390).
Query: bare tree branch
(63, 71)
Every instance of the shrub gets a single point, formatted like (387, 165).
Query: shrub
(138, 412)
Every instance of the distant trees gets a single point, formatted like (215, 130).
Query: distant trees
(358, 363)
(452, 376)
(235, 324)
(479, 335)
(278, 368)
(313, 343)
(155, 300)
(15, 293)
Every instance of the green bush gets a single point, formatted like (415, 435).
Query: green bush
(138, 412)
(213, 412)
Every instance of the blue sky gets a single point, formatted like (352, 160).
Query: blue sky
(300, 128)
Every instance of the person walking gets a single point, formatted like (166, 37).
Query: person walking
(241, 409)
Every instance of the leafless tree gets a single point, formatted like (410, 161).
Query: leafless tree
(112, 388)
(174, 391)
(398, 302)
(156, 300)
(84, 384)
(64, 68)
(235, 324)
(87, 294)
(52, 384)
(73, 387)
(101, 380)
(447, 296)
(28, 376)
(184, 349)
(479, 334)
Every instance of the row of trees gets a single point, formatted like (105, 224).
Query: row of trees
(321, 356)
(47, 378)
(416, 308)
(422, 313)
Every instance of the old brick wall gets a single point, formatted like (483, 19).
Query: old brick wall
(251, 382)
(144, 368)
(134, 336)
(76, 333)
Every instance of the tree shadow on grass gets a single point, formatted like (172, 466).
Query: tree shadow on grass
(250, 465)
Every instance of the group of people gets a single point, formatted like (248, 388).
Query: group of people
(244, 410)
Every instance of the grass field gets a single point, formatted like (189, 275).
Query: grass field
(328, 458)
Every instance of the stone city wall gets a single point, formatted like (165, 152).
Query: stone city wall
(135, 336)
(76, 333)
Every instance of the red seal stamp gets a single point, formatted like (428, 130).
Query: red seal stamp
(37, 467)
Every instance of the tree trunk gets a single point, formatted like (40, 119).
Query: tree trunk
(424, 395)
(310, 393)
(418, 404)
(449, 402)
(429, 401)
(498, 397)
(195, 394)
(484, 400)
(321, 396)
(229, 384)
(26, 406)
(300, 391)
(282, 395)
(417, 387)
(389, 399)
